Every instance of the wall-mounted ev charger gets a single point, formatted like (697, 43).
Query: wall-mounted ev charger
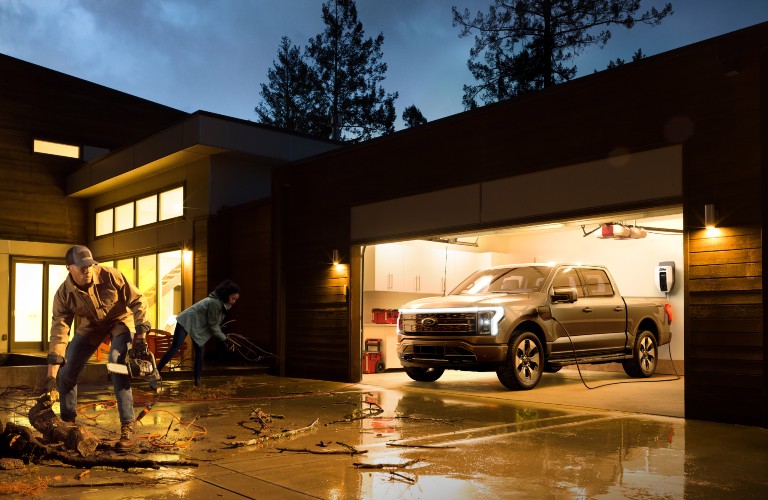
(664, 275)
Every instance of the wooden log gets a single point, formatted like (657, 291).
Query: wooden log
(74, 436)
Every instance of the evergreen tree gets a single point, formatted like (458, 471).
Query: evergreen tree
(349, 71)
(287, 97)
(526, 45)
(620, 62)
(412, 116)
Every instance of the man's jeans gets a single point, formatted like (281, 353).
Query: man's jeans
(78, 353)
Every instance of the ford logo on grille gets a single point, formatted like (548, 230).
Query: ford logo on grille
(429, 322)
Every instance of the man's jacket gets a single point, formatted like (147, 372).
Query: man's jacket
(105, 308)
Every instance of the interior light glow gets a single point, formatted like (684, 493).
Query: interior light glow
(56, 148)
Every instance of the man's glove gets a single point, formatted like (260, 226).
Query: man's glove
(51, 388)
(140, 348)
(229, 345)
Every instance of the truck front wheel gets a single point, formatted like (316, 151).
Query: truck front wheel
(424, 374)
(644, 356)
(525, 362)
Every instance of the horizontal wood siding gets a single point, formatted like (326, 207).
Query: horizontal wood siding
(724, 362)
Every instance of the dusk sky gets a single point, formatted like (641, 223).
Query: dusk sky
(213, 54)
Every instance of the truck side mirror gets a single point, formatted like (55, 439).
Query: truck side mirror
(563, 294)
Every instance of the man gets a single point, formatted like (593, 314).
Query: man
(103, 301)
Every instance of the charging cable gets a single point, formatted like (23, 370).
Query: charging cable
(576, 360)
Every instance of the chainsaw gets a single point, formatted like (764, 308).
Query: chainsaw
(139, 363)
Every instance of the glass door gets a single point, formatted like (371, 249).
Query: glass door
(33, 285)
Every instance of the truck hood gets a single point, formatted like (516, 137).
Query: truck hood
(486, 300)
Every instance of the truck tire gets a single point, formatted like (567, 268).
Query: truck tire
(424, 374)
(644, 356)
(525, 362)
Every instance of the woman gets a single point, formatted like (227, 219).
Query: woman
(202, 321)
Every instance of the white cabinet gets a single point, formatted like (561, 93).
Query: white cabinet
(407, 268)
(388, 267)
(462, 264)
(423, 270)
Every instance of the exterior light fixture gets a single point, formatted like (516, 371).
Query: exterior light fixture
(710, 216)
(335, 257)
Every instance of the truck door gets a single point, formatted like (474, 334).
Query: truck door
(577, 317)
(610, 311)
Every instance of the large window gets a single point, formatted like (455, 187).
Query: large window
(146, 210)
(158, 278)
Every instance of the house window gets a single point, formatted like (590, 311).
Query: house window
(146, 210)
(124, 217)
(105, 222)
(172, 203)
(141, 212)
(56, 149)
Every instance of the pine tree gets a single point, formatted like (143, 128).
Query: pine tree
(412, 116)
(526, 45)
(287, 97)
(349, 72)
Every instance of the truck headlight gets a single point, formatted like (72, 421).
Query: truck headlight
(488, 320)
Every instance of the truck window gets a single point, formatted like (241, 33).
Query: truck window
(568, 278)
(598, 284)
(524, 279)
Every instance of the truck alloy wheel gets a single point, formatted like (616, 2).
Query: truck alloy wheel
(644, 356)
(525, 362)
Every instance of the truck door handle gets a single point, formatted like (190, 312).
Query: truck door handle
(618, 308)
(587, 310)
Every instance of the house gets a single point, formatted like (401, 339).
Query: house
(301, 224)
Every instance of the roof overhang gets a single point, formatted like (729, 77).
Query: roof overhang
(199, 136)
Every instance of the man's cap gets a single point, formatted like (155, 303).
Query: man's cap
(80, 256)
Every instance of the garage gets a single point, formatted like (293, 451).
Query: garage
(677, 136)
(395, 273)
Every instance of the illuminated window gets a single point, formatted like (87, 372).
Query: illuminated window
(146, 210)
(172, 203)
(56, 149)
(104, 222)
(124, 217)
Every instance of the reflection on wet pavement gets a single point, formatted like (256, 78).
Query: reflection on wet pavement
(413, 442)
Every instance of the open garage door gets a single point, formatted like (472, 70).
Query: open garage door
(407, 256)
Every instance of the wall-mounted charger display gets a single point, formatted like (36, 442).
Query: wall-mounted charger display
(664, 275)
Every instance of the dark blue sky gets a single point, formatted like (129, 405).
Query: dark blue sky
(213, 54)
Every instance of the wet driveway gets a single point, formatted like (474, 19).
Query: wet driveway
(260, 436)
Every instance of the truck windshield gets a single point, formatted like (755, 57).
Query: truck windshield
(525, 279)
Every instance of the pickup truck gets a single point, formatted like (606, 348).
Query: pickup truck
(522, 320)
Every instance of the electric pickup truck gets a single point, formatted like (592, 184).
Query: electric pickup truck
(522, 320)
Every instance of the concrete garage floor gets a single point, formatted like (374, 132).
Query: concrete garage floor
(463, 436)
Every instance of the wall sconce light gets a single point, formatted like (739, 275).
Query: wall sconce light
(335, 257)
(710, 216)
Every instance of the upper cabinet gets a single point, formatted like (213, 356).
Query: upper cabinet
(422, 267)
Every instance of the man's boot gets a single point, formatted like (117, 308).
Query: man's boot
(127, 440)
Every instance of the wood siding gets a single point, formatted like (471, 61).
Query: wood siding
(38, 103)
(708, 97)
(240, 248)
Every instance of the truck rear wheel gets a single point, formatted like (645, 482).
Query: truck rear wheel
(644, 356)
(525, 362)
(420, 374)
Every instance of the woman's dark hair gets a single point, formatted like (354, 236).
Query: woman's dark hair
(226, 288)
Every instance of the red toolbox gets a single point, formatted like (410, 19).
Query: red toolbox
(384, 316)
(372, 362)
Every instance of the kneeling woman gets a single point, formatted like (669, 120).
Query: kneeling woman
(201, 321)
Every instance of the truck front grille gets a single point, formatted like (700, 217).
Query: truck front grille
(462, 323)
